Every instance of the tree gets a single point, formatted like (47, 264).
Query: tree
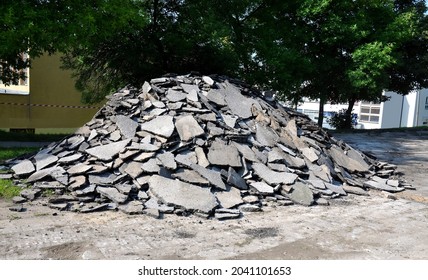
(39, 26)
(358, 49)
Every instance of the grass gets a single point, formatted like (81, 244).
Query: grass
(8, 153)
(8, 189)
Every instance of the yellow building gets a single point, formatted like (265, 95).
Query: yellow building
(46, 102)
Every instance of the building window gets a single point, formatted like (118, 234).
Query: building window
(369, 112)
(426, 103)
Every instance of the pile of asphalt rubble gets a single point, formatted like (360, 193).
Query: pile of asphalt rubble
(209, 146)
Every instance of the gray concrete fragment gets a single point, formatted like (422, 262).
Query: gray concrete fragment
(23, 168)
(167, 160)
(355, 190)
(151, 166)
(216, 96)
(212, 176)
(301, 194)
(152, 212)
(186, 158)
(222, 154)
(272, 177)
(383, 187)
(335, 188)
(30, 194)
(132, 207)
(144, 156)
(106, 179)
(236, 180)
(190, 176)
(161, 125)
(346, 162)
(113, 194)
(310, 154)
(71, 158)
(134, 169)
(175, 96)
(223, 214)
(202, 158)
(107, 152)
(266, 136)
(208, 80)
(229, 120)
(229, 199)
(127, 126)
(239, 105)
(246, 152)
(153, 203)
(188, 128)
(44, 160)
(262, 188)
(188, 196)
(250, 199)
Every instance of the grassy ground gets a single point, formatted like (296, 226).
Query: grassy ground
(8, 189)
(8, 153)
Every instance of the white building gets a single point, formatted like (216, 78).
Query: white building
(400, 111)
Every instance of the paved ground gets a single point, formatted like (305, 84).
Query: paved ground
(354, 227)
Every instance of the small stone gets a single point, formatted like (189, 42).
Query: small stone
(17, 208)
(18, 199)
(30, 194)
(322, 201)
(355, 190)
(208, 80)
(223, 214)
(250, 199)
(250, 208)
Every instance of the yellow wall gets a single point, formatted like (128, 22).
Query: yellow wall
(51, 87)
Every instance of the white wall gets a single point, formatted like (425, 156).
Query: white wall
(422, 113)
(390, 115)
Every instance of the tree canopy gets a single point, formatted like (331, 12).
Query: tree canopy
(337, 51)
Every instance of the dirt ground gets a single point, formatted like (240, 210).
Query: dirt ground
(353, 227)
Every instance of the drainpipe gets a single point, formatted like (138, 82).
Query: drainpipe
(418, 102)
(401, 114)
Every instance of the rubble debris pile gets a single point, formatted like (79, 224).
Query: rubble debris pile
(211, 146)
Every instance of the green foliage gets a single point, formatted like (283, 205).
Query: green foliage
(8, 189)
(339, 120)
(339, 51)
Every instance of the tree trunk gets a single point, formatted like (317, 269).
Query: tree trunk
(321, 112)
(348, 115)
